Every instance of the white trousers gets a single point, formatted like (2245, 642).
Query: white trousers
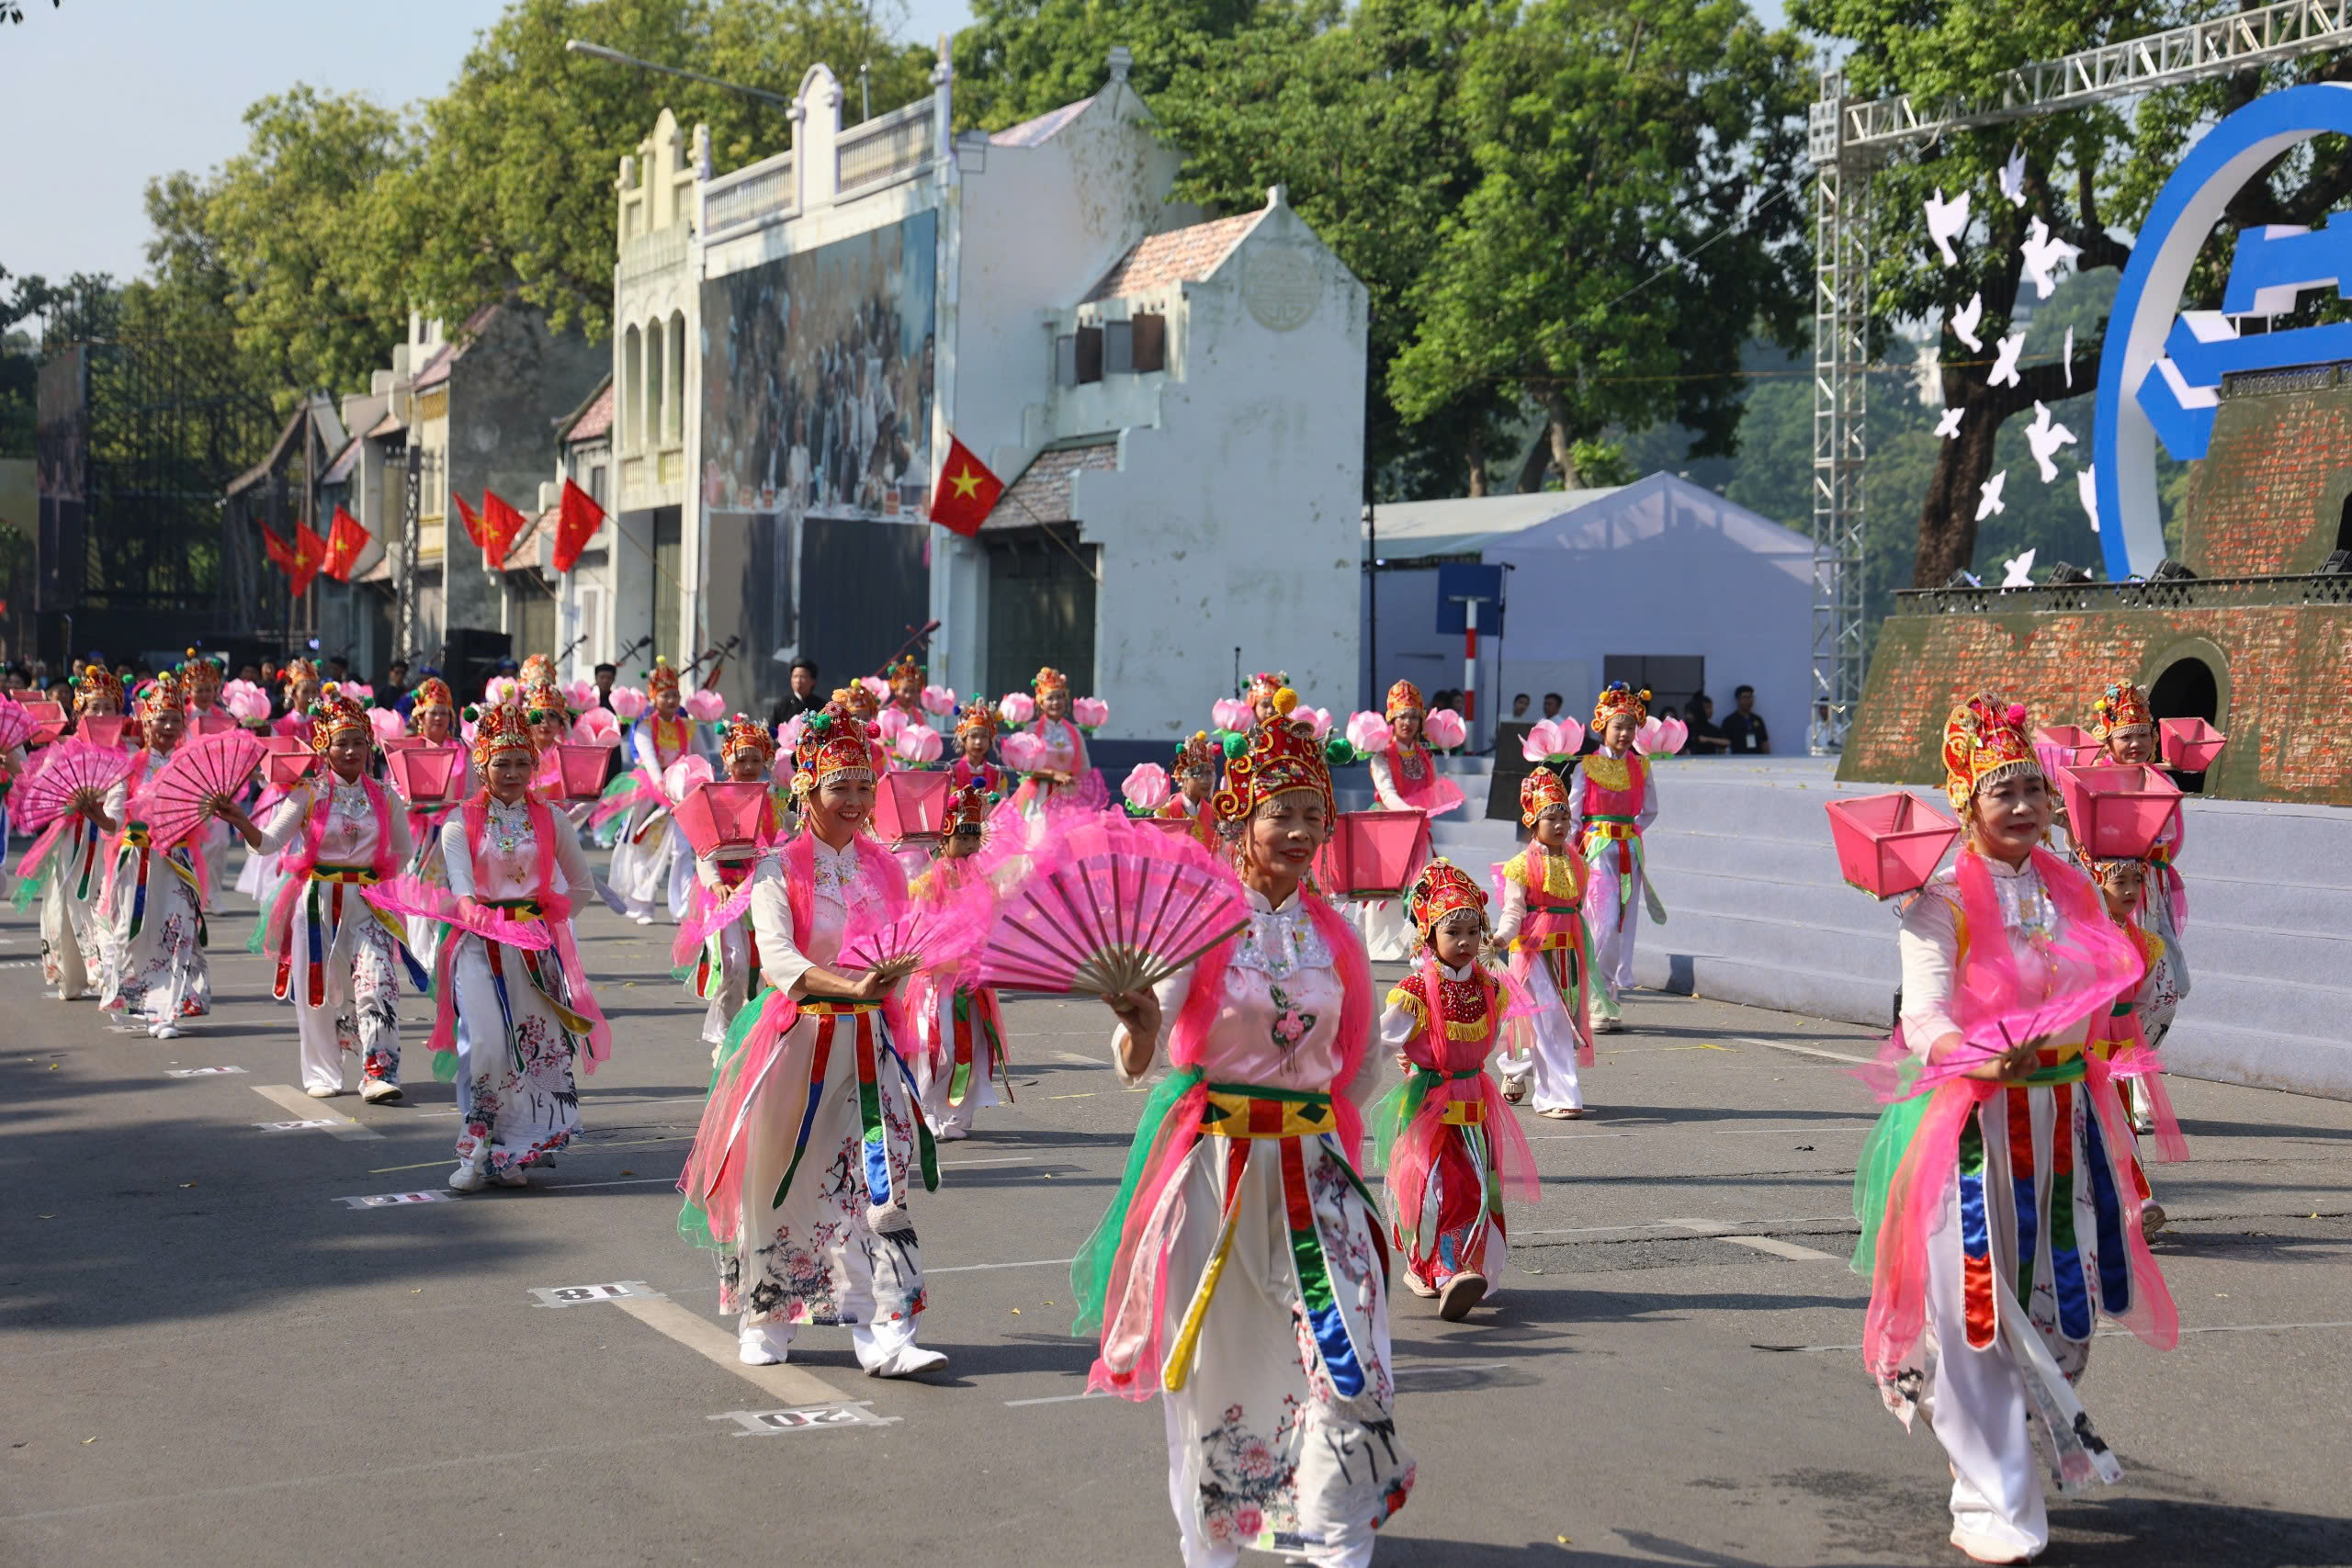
(1979, 1412)
(875, 1343)
(1549, 1064)
(1199, 1553)
(1612, 940)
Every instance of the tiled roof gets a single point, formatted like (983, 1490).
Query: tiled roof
(595, 421)
(435, 371)
(388, 425)
(339, 471)
(1180, 255)
(1033, 132)
(1042, 493)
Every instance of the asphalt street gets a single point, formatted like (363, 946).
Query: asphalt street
(229, 1340)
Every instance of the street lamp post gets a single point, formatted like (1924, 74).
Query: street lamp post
(598, 51)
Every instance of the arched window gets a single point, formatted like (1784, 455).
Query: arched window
(657, 395)
(2186, 689)
(631, 388)
(675, 430)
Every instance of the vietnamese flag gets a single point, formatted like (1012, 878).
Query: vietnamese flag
(279, 553)
(575, 525)
(501, 527)
(466, 516)
(310, 554)
(345, 540)
(966, 493)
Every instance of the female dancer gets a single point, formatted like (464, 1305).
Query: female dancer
(959, 1027)
(1542, 926)
(1405, 778)
(1450, 1146)
(1241, 1273)
(1994, 1221)
(905, 679)
(717, 941)
(1613, 799)
(1063, 760)
(2125, 728)
(433, 716)
(151, 927)
(1195, 771)
(518, 1020)
(975, 734)
(648, 846)
(798, 1177)
(2123, 888)
(207, 717)
(72, 873)
(336, 957)
(262, 877)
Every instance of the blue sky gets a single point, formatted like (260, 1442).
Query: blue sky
(98, 97)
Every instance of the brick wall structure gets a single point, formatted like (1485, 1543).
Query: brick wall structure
(2259, 642)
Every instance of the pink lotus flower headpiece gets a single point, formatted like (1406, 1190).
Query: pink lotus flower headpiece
(1444, 729)
(628, 702)
(1018, 707)
(1368, 732)
(939, 701)
(1090, 714)
(1146, 786)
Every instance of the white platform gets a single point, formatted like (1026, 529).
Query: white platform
(1758, 914)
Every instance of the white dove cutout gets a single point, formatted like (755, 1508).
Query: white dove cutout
(2066, 356)
(2087, 491)
(1948, 425)
(2043, 257)
(1964, 320)
(1988, 497)
(2042, 438)
(2004, 360)
(2013, 176)
(1946, 220)
(2018, 573)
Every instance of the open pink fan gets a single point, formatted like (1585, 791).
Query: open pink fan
(1121, 907)
(931, 934)
(414, 896)
(176, 802)
(17, 724)
(72, 766)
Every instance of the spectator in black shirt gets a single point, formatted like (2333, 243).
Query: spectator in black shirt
(395, 687)
(802, 698)
(1552, 704)
(1744, 728)
(606, 675)
(1705, 740)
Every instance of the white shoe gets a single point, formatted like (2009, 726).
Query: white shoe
(315, 1092)
(375, 1091)
(909, 1360)
(467, 1178)
(642, 920)
(513, 1175)
(1987, 1547)
(165, 1031)
(758, 1345)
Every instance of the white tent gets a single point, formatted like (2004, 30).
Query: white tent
(1662, 570)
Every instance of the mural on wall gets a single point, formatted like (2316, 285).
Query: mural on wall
(818, 376)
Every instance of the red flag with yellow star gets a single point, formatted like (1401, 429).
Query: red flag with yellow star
(966, 493)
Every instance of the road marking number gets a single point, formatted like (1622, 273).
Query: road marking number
(395, 1199)
(200, 1072)
(769, 1423)
(300, 1126)
(588, 1295)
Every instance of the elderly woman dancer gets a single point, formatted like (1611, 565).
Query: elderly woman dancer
(513, 1021)
(1404, 778)
(813, 1137)
(1241, 1273)
(153, 925)
(1613, 799)
(335, 956)
(1996, 1195)
(960, 1026)
(70, 868)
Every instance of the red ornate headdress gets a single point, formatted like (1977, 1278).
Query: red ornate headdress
(833, 744)
(976, 716)
(334, 712)
(968, 812)
(1538, 792)
(166, 692)
(660, 678)
(1443, 888)
(501, 728)
(906, 669)
(431, 693)
(1985, 740)
(1618, 697)
(1049, 678)
(205, 670)
(545, 697)
(538, 670)
(1405, 697)
(1279, 758)
(297, 671)
(94, 681)
(2121, 707)
(856, 700)
(743, 733)
(1199, 751)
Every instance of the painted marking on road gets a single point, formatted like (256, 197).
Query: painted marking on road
(314, 1121)
(1859, 1128)
(590, 1295)
(1806, 1050)
(293, 1099)
(1435, 1368)
(200, 1072)
(771, 1423)
(1780, 1248)
(790, 1386)
(1056, 1398)
(1005, 1159)
(19, 962)
(984, 1268)
(397, 1200)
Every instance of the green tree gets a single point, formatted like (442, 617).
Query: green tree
(1022, 58)
(1638, 168)
(2089, 175)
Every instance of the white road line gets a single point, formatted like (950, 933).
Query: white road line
(309, 1109)
(787, 1384)
(1806, 1050)
(1685, 1131)
(1055, 1399)
(2102, 1334)
(1003, 1159)
(1780, 1248)
(1399, 1371)
(985, 1267)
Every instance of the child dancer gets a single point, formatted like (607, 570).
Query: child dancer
(259, 880)
(1450, 1144)
(336, 957)
(2124, 886)
(1543, 928)
(649, 845)
(975, 734)
(906, 678)
(960, 1028)
(717, 950)
(1063, 761)
(1614, 799)
(800, 1172)
(1194, 773)
(2125, 728)
(512, 1022)
(152, 928)
(433, 716)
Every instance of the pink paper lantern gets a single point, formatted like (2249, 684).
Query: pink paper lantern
(597, 728)
(1146, 786)
(910, 806)
(681, 775)
(705, 706)
(1318, 721)
(717, 815)
(1021, 752)
(386, 724)
(247, 700)
(1090, 713)
(425, 775)
(628, 702)
(875, 687)
(2118, 812)
(580, 768)
(1373, 854)
(580, 695)
(1229, 713)
(106, 729)
(918, 743)
(1889, 844)
(2189, 745)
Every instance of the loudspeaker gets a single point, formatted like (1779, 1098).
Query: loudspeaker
(469, 657)
(2065, 574)
(2171, 570)
(2337, 565)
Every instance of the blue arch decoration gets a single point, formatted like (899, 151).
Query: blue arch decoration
(2123, 444)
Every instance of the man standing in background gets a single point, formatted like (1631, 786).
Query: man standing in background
(1744, 729)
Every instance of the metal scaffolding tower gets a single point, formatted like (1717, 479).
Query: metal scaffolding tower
(1845, 140)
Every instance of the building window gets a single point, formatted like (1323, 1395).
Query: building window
(655, 394)
(1118, 348)
(675, 384)
(596, 483)
(1089, 355)
(1149, 349)
(1066, 361)
(632, 378)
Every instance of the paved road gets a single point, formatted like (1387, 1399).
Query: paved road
(210, 1355)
